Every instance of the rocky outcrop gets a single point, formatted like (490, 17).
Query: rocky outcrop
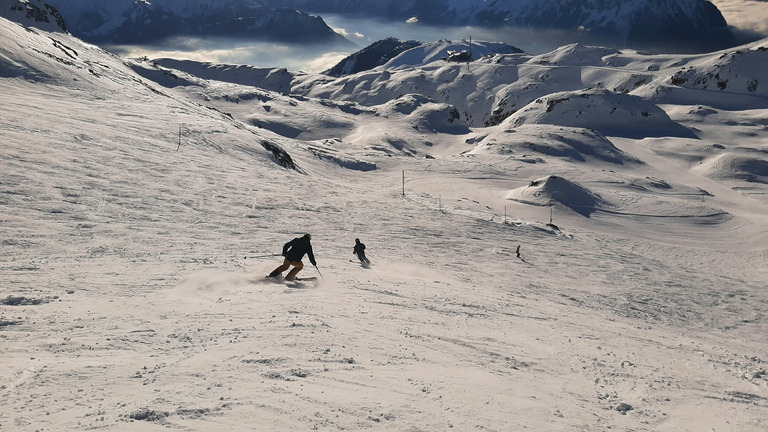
(33, 13)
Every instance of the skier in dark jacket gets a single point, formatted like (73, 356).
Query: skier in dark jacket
(294, 251)
(359, 250)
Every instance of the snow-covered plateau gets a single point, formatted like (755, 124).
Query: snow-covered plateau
(142, 202)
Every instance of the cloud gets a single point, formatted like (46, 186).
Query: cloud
(325, 61)
(747, 15)
(412, 20)
(319, 58)
(238, 52)
(347, 34)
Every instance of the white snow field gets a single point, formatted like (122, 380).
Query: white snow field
(141, 206)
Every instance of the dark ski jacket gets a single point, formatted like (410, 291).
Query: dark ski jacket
(295, 249)
(359, 249)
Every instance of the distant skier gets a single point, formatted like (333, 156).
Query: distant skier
(294, 251)
(359, 250)
(517, 251)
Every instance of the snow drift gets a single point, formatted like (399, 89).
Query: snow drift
(732, 166)
(424, 114)
(575, 144)
(553, 190)
(608, 112)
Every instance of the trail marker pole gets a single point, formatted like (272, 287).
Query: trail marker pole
(403, 182)
(177, 147)
(470, 47)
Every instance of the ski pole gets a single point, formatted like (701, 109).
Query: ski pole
(262, 256)
(318, 272)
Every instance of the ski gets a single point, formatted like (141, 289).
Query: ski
(280, 279)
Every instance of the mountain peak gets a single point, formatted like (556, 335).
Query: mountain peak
(138, 22)
(692, 25)
(33, 13)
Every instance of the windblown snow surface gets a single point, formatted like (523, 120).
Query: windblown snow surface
(142, 205)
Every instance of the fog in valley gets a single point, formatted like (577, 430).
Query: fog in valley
(748, 20)
(317, 58)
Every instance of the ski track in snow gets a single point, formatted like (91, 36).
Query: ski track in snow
(132, 299)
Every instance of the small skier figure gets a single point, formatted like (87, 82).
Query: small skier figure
(359, 250)
(294, 251)
(517, 251)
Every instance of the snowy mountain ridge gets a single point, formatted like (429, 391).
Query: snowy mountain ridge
(612, 92)
(688, 25)
(392, 53)
(494, 87)
(130, 22)
(36, 13)
(691, 24)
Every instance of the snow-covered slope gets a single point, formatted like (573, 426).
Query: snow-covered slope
(576, 144)
(440, 50)
(141, 205)
(602, 110)
(492, 88)
(371, 56)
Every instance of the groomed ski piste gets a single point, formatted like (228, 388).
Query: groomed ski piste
(133, 197)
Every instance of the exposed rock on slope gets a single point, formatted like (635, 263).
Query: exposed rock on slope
(426, 115)
(737, 71)
(371, 56)
(33, 13)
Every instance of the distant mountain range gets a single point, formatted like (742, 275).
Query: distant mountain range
(688, 25)
(666, 25)
(141, 21)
